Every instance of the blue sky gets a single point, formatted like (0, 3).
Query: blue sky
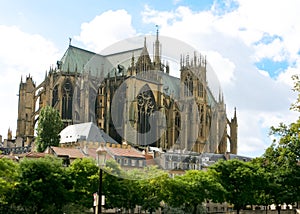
(252, 49)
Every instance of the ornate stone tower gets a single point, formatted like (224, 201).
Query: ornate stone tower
(233, 124)
(26, 110)
(193, 96)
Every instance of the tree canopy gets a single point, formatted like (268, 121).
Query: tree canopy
(42, 186)
(238, 180)
(48, 129)
(8, 181)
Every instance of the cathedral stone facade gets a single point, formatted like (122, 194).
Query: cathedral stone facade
(132, 97)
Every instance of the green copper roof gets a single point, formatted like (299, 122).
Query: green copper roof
(171, 85)
(75, 59)
(80, 60)
(210, 98)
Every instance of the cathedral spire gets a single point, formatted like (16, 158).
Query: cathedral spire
(157, 51)
(132, 65)
(234, 112)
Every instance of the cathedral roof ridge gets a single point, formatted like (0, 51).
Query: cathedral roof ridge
(81, 49)
(124, 51)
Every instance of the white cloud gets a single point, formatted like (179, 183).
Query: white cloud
(20, 54)
(222, 66)
(157, 17)
(107, 28)
(274, 50)
(254, 127)
(253, 19)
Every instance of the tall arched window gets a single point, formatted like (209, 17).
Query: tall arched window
(67, 95)
(201, 118)
(55, 96)
(177, 125)
(146, 106)
(200, 89)
(188, 86)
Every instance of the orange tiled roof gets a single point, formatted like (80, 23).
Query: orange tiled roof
(33, 155)
(71, 152)
(125, 152)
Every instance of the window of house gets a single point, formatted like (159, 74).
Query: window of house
(175, 165)
(141, 164)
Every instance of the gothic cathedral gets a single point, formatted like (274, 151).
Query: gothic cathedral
(133, 98)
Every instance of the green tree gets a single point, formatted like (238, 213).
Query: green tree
(135, 187)
(282, 160)
(152, 189)
(8, 180)
(42, 186)
(112, 187)
(238, 180)
(296, 106)
(48, 129)
(191, 190)
(263, 194)
(84, 176)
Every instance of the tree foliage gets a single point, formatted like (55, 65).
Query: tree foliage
(238, 180)
(83, 173)
(48, 129)
(190, 190)
(152, 190)
(8, 180)
(296, 106)
(42, 186)
(281, 162)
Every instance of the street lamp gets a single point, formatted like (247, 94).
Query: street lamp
(101, 158)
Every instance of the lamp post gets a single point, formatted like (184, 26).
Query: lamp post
(101, 158)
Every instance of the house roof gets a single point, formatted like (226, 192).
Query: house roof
(125, 152)
(33, 155)
(70, 152)
(85, 131)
